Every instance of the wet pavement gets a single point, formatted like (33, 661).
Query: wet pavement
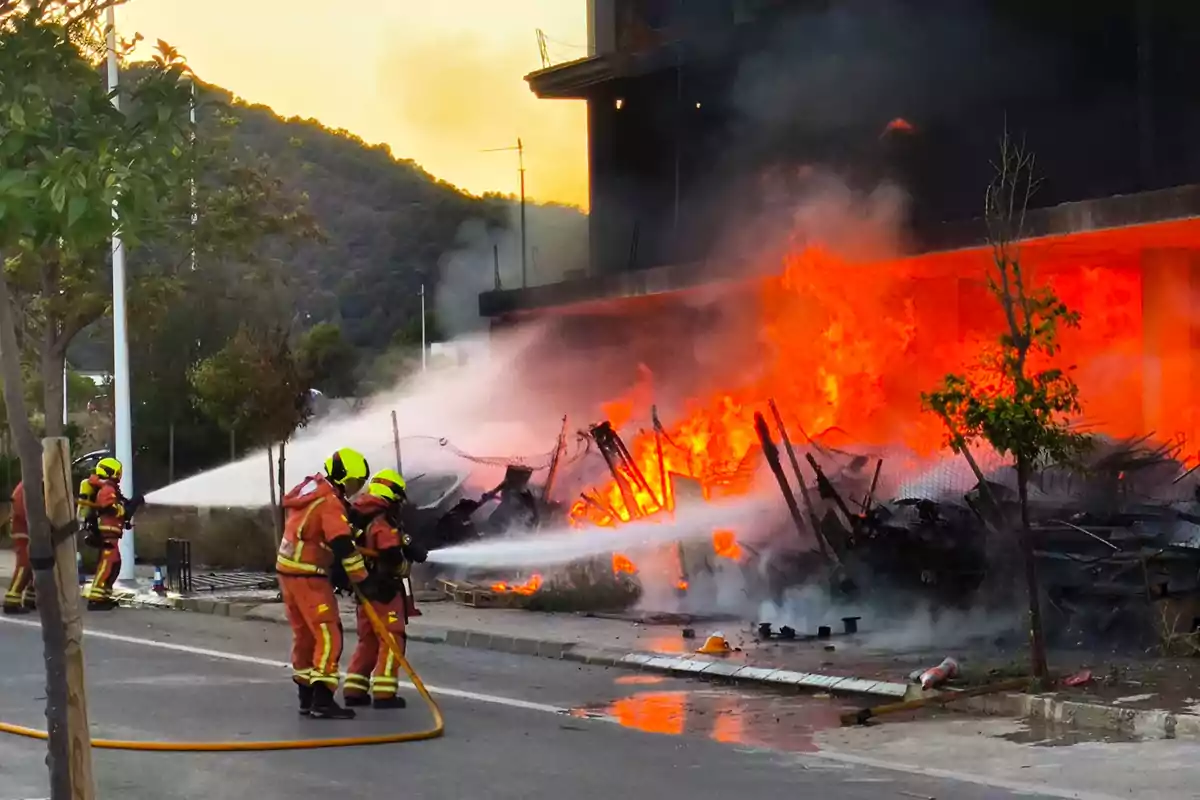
(517, 727)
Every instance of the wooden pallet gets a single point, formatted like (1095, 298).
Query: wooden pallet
(475, 596)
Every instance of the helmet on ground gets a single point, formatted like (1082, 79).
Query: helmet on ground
(346, 465)
(108, 468)
(388, 484)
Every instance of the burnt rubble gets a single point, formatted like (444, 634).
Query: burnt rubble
(1117, 537)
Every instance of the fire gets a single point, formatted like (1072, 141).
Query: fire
(621, 564)
(527, 588)
(847, 348)
(725, 545)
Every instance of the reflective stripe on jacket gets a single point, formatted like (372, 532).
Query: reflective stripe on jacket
(315, 518)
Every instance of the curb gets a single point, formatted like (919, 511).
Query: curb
(681, 665)
(1139, 723)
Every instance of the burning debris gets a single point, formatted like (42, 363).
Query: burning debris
(1116, 535)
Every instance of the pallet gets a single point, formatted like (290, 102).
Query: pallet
(475, 596)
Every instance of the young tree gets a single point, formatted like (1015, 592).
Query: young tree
(328, 359)
(66, 157)
(254, 386)
(1023, 405)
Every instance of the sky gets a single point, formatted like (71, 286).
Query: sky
(437, 80)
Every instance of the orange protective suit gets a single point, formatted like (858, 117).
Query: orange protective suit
(109, 508)
(373, 667)
(316, 527)
(19, 596)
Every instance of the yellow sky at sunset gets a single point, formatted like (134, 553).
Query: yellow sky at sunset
(438, 80)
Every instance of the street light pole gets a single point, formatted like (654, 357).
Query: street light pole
(520, 148)
(122, 426)
(424, 348)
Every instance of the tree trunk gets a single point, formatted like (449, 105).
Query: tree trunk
(41, 551)
(53, 364)
(1037, 640)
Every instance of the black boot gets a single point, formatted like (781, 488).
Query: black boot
(390, 702)
(324, 706)
(102, 605)
(357, 700)
(305, 693)
(16, 610)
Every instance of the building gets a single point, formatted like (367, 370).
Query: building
(706, 113)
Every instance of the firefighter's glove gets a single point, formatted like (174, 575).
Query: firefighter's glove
(413, 551)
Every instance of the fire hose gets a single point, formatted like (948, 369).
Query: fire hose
(385, 636)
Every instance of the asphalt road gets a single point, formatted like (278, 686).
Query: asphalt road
(517, 727)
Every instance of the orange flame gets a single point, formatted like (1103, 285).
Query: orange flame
(527, 588)
(725, 545)
(849, 347)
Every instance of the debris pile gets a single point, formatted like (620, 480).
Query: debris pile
(1117, 537)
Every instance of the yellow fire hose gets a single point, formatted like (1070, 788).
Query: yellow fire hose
(385, 636)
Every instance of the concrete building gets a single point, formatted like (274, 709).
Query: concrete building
(704, 116)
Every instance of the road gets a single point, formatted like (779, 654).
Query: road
(517, 727)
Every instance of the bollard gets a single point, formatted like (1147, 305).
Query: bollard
(824, 632)
(850, 624)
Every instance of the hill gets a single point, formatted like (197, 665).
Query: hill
(388, 227)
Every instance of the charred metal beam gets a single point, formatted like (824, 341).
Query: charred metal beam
(808, 506)
(552, 473)
(772, 455)
(825, 487)
(605, 438)
(662, 468)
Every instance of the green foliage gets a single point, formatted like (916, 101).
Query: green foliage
(328, 360)
(254, 387)
(1015, 399)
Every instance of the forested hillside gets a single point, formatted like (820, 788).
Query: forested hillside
(360, 231)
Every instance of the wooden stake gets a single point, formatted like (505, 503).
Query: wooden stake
(56, 468)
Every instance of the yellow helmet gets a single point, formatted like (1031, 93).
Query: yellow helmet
(346, 465)
(388, 484)
(108, 468)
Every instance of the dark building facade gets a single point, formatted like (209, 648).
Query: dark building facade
(701, 111)
(705, 115)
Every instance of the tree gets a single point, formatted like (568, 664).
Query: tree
(1020, 403)
(254, 386)
(68, 161)
(328, 360)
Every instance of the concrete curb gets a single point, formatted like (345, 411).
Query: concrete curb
(682, 665)
(1140, 723)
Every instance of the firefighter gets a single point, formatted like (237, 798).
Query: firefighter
(105, 518)
(19, 597)
(374, 672)
(317, 535)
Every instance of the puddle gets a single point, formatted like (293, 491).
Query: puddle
(1040, 733)
(786, 723)
(640, 680)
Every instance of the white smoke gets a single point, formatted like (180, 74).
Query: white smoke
(452, 405)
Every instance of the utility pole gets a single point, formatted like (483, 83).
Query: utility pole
(520, 148)
(122, 424)
(424, 348)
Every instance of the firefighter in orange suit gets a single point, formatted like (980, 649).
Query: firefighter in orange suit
(374, 670)
(19, 597)
(316, 535)
(104, 518)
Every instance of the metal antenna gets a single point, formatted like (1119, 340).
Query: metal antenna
(542, 50)
(520, 148)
